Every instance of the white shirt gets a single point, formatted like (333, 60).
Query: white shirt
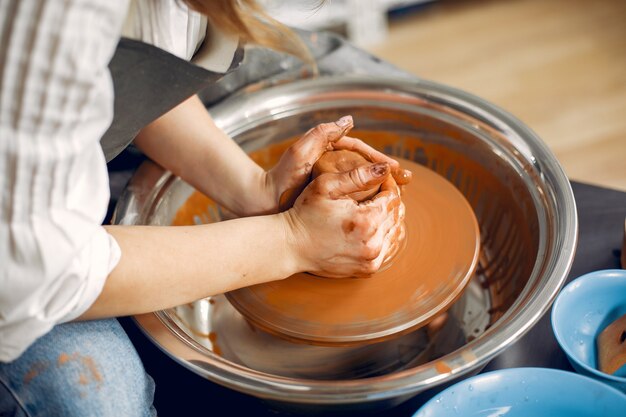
(56, 101)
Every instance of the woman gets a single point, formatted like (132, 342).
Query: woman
(64, 275)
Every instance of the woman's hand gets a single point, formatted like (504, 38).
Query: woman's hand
(285, 181)
(333, 235)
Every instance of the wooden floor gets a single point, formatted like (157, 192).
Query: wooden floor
(558, 65)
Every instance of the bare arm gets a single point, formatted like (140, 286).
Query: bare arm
(166, 266)
(162, 267)
(187, 142)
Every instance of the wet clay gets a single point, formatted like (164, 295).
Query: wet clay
(611, 346)
(429, 293)
(508, 249)
(343, 161)
(440, 254)
(35, 370)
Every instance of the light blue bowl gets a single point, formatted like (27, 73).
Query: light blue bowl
(526, 392)
(581, 311)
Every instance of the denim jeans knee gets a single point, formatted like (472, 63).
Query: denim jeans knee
(78, 369)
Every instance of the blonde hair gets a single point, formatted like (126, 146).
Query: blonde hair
(253, 25)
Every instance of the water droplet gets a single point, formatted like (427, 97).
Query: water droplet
(580, 342)
(470, 387)
(526, 399)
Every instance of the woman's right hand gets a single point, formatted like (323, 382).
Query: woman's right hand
(333, 235)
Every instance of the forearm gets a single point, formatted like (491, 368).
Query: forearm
(162, 267)
(187, 142)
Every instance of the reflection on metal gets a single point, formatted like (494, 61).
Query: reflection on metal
(521, 197)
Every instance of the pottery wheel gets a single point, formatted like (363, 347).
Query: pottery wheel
(426, 276)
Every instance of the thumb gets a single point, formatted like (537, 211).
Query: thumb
(326, 133)
(318, 140)
(362, 178)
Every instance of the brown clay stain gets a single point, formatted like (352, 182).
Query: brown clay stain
(420, 277)
(212, 336)
(442, 367)
(34, 371)
(611, 346)
(90, 372)
(348, 226)
(213, 339)
(288, 295)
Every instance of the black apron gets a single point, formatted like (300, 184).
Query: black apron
(148, 82)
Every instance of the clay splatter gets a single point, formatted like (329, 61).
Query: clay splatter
(34, 371)
(442, 367)
(89, 368)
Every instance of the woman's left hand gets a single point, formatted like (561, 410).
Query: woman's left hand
(285, 181)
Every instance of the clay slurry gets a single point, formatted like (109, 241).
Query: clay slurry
(424, 279)
(343, 161)
(440, 255)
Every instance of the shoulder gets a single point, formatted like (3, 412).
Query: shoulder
(167, 24)
(172, 26)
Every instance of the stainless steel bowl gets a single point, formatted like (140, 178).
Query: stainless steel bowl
(521, 197)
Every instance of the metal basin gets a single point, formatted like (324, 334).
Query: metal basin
(519, 193)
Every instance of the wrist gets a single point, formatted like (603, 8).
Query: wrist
(256, 198)
(294, 234)
(260, 198)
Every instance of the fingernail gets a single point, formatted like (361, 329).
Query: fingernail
(344, 121)
(380, 169)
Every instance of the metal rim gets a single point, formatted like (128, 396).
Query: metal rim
(476, 353)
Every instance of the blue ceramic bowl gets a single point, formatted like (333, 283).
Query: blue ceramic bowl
(581, 311)
(525, 392)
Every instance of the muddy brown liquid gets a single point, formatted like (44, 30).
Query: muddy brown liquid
(436, 261)
(611, 346)
(426, 276)
(343, 161)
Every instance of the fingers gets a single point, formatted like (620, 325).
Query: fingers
(387, 199)
(316, 141)
(390, 185)
(380, 248)
(291, 174)
(392, 240)
(402, 176)
(357, 145)
(389, 234)
(359, 179)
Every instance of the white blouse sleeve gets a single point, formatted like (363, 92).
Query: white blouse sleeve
(56, 101)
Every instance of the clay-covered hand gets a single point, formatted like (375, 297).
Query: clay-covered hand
(395, 238)
(285, 181)
(333, 235)
(400, 175)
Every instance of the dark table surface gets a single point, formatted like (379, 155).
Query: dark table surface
(601, 214)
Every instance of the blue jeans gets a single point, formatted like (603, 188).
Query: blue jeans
(78, 369)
